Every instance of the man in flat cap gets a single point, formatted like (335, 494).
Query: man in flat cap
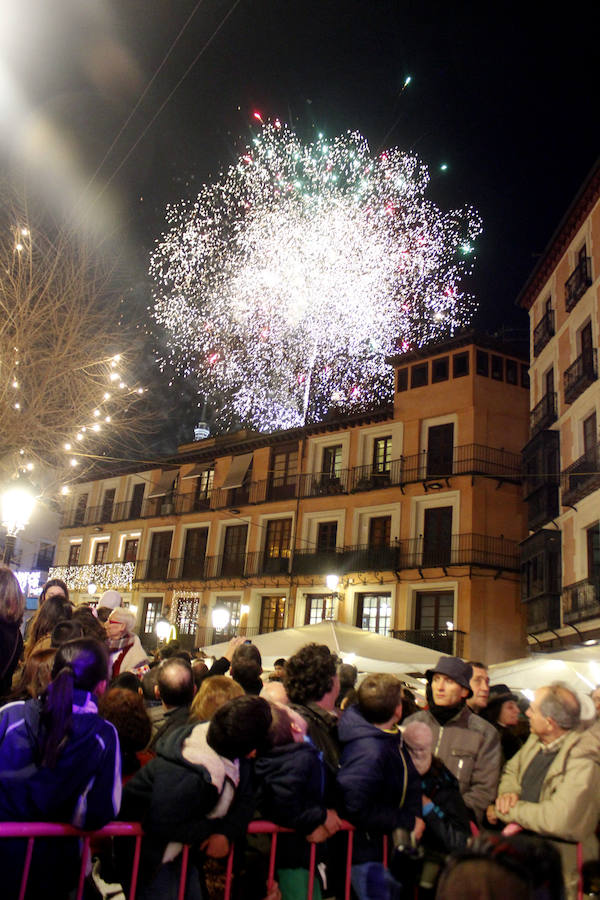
(466, 744)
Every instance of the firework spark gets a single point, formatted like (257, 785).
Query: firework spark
(284, 286)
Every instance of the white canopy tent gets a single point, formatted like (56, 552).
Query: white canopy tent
(367, 651)
(579, 667)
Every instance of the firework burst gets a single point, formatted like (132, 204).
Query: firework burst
(285, 285)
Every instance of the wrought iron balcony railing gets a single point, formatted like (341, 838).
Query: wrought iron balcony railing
(461, 550)
(543, 331)
(542, 504)
(581, 600)
(582, 477)
(444, 640)
(168, 505)
(579, 375)
(543, 413)
(578, 282)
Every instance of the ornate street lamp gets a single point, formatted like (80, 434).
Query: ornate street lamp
(18, 501)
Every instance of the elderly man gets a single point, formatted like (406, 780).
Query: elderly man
(552, 785)
(467, 745)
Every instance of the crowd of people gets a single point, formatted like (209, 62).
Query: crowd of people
(465, 797)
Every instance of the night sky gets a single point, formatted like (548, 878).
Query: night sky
(504, 94)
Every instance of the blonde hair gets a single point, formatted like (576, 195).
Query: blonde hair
(214, 692)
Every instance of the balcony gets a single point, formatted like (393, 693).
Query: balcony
(173, 504)
(370, 478)
(543, 331)
(478, 550)
(577, 283)
(543, 613)
(443, 640)
(581, 478)
(318, 562)
(542, 504)
(579, 375)
(323, 484)
(581, 601)
(116, 576)
(468, 459)
(543, 414)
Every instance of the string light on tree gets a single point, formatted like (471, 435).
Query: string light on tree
(285, 285)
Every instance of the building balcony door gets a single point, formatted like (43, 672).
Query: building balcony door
(440, 450)
(272, 614)
(437, 536)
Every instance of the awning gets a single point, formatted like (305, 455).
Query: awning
(164, 485)
(195, 472)
(237, 471)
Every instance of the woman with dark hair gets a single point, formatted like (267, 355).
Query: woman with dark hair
(54, 610)
(54, 587)
(12, 607)
(60, 761)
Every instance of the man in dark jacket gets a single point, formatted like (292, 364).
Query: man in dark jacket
(312, 685)
(175, 688)
(379, 786)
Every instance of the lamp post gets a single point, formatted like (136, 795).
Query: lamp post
(220, 617)
(18, 501)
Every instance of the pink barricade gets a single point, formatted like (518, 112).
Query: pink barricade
(32, 830)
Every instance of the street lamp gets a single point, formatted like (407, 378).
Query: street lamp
(220, 617)
(18, 502)
(332, 582)
(162, 628)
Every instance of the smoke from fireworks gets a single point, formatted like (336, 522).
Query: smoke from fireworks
(285, 285)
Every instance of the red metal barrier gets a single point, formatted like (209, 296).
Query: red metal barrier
(32, 830)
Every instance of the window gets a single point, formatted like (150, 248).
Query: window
(433, 610)
(512, 372)
(440, 369)
(186, 616)
(482, 363)
(437, 536)
(373, 613)
(234, 549)
(45, 556)
(101, 553)
(460, 364)
(590, 437)
(160, 550)
(130, 550)
(593, 552)
(108, 502)
(440, 450)
(402, 380)
(137, 499)
(194, 553)
(382, 455)
(233, 605)
(319, 608)
(203, 490)
(524, 376)
(272, 614)
(380, 529)
(332, 461)
(326, 536)
(283, 474)
(582, 255)
(80, 508)
(497, 367)
(549, 382)
(277, 545)
(419, 375)
(152, 610)
(74, 551)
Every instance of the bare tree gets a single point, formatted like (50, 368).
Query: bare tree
(63, 391)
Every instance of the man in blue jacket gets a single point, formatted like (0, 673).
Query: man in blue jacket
(379, 786)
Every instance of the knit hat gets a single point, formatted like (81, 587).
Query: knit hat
(111, 599)
(455, 668)
(500, 693)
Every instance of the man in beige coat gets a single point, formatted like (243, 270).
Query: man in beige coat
(552, 785)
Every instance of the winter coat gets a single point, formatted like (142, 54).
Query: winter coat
(132, 660)
(379, 787)
(180, 797)
(291, 784)
(83, 789)
(569, 804)
(322, 730)
(11, 648)
(470, 748)
(448, 823)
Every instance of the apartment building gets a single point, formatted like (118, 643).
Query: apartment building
(561, 556)
(416, 507)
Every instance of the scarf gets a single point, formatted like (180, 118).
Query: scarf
(443, 714)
